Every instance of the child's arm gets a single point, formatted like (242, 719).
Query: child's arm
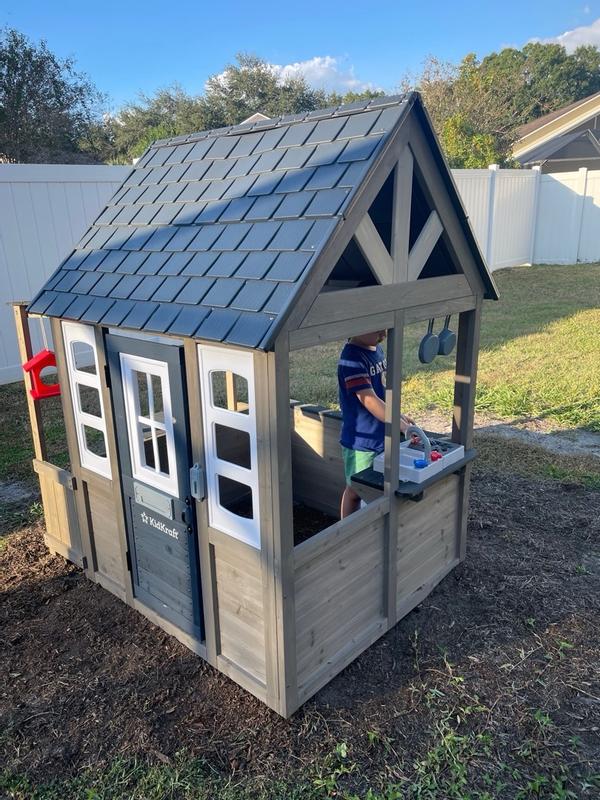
(376, 407)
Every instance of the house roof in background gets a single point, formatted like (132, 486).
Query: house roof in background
(540, 122)
(213, 235)
(553, 146)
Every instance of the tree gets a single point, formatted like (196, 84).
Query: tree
(477, 106)
(169, 112)
(48, 111)
(252, 85)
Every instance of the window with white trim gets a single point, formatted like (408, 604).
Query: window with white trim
(86, 395)
(229, 418)
(147, 394)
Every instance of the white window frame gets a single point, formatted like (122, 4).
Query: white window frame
(216, 359)
(152, 477)
(74, 333)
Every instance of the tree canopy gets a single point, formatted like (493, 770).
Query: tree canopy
(48, 111)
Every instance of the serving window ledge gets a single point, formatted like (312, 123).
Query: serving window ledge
(369, 482)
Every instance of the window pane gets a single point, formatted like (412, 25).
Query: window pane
(163, 454)
(83, 357)
(95, 441)
(158, 397)
(142, 391)
(89, 400)
(234, 399)
(149, 460)
(235, 497)
(233, 445)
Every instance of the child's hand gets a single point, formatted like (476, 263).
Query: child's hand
(405, 421)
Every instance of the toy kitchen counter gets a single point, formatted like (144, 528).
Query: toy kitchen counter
(425, 459)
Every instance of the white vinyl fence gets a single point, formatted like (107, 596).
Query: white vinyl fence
(518, 216)
(44, 211)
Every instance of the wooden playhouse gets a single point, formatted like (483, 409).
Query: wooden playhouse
(173, 322)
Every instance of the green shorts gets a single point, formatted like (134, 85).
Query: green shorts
(356, 460)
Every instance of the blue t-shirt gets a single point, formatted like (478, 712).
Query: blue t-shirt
(360, 368)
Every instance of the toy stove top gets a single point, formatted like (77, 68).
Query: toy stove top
(415, 466)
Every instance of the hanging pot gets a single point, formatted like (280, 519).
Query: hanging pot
(446, 339)
(428, 349)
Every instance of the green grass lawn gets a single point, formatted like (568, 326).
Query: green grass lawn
(540, 353)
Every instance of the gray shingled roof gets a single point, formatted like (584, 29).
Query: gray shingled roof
(211, 235)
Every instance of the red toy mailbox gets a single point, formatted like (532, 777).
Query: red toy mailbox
(35, 365)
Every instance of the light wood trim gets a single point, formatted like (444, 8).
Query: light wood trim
(33, 406)
(207, 568)
(391, 471)
(348, 303)
(403, 180)
(373, 249)
(423, 247)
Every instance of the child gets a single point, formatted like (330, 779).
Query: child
(361, 370)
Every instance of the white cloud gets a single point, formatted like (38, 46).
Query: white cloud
(585, 34)
(321, 72)
(325, 72)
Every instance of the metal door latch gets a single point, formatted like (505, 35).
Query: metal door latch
(197, 482)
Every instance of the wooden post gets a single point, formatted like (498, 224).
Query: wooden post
(465, 384)
(392, 458)
(33, 406)
(231, 393)
(277, 535)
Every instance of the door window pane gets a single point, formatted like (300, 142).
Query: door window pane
(233, 445)
(235, 497)
(142, 393)
(163, 454)
(89, 400)
(158, 410)
(149, 459)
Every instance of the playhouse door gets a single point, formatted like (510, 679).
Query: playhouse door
(148, 391)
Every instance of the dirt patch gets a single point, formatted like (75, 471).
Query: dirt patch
(505, 648)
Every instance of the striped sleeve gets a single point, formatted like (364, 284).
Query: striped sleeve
(354, 375)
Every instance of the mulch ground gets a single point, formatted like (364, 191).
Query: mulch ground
(515, 628)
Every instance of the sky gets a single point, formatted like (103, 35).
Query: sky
(130, 47)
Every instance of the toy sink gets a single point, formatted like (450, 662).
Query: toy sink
(421, 451)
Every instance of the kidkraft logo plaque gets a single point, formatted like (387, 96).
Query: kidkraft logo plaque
(160, 526)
